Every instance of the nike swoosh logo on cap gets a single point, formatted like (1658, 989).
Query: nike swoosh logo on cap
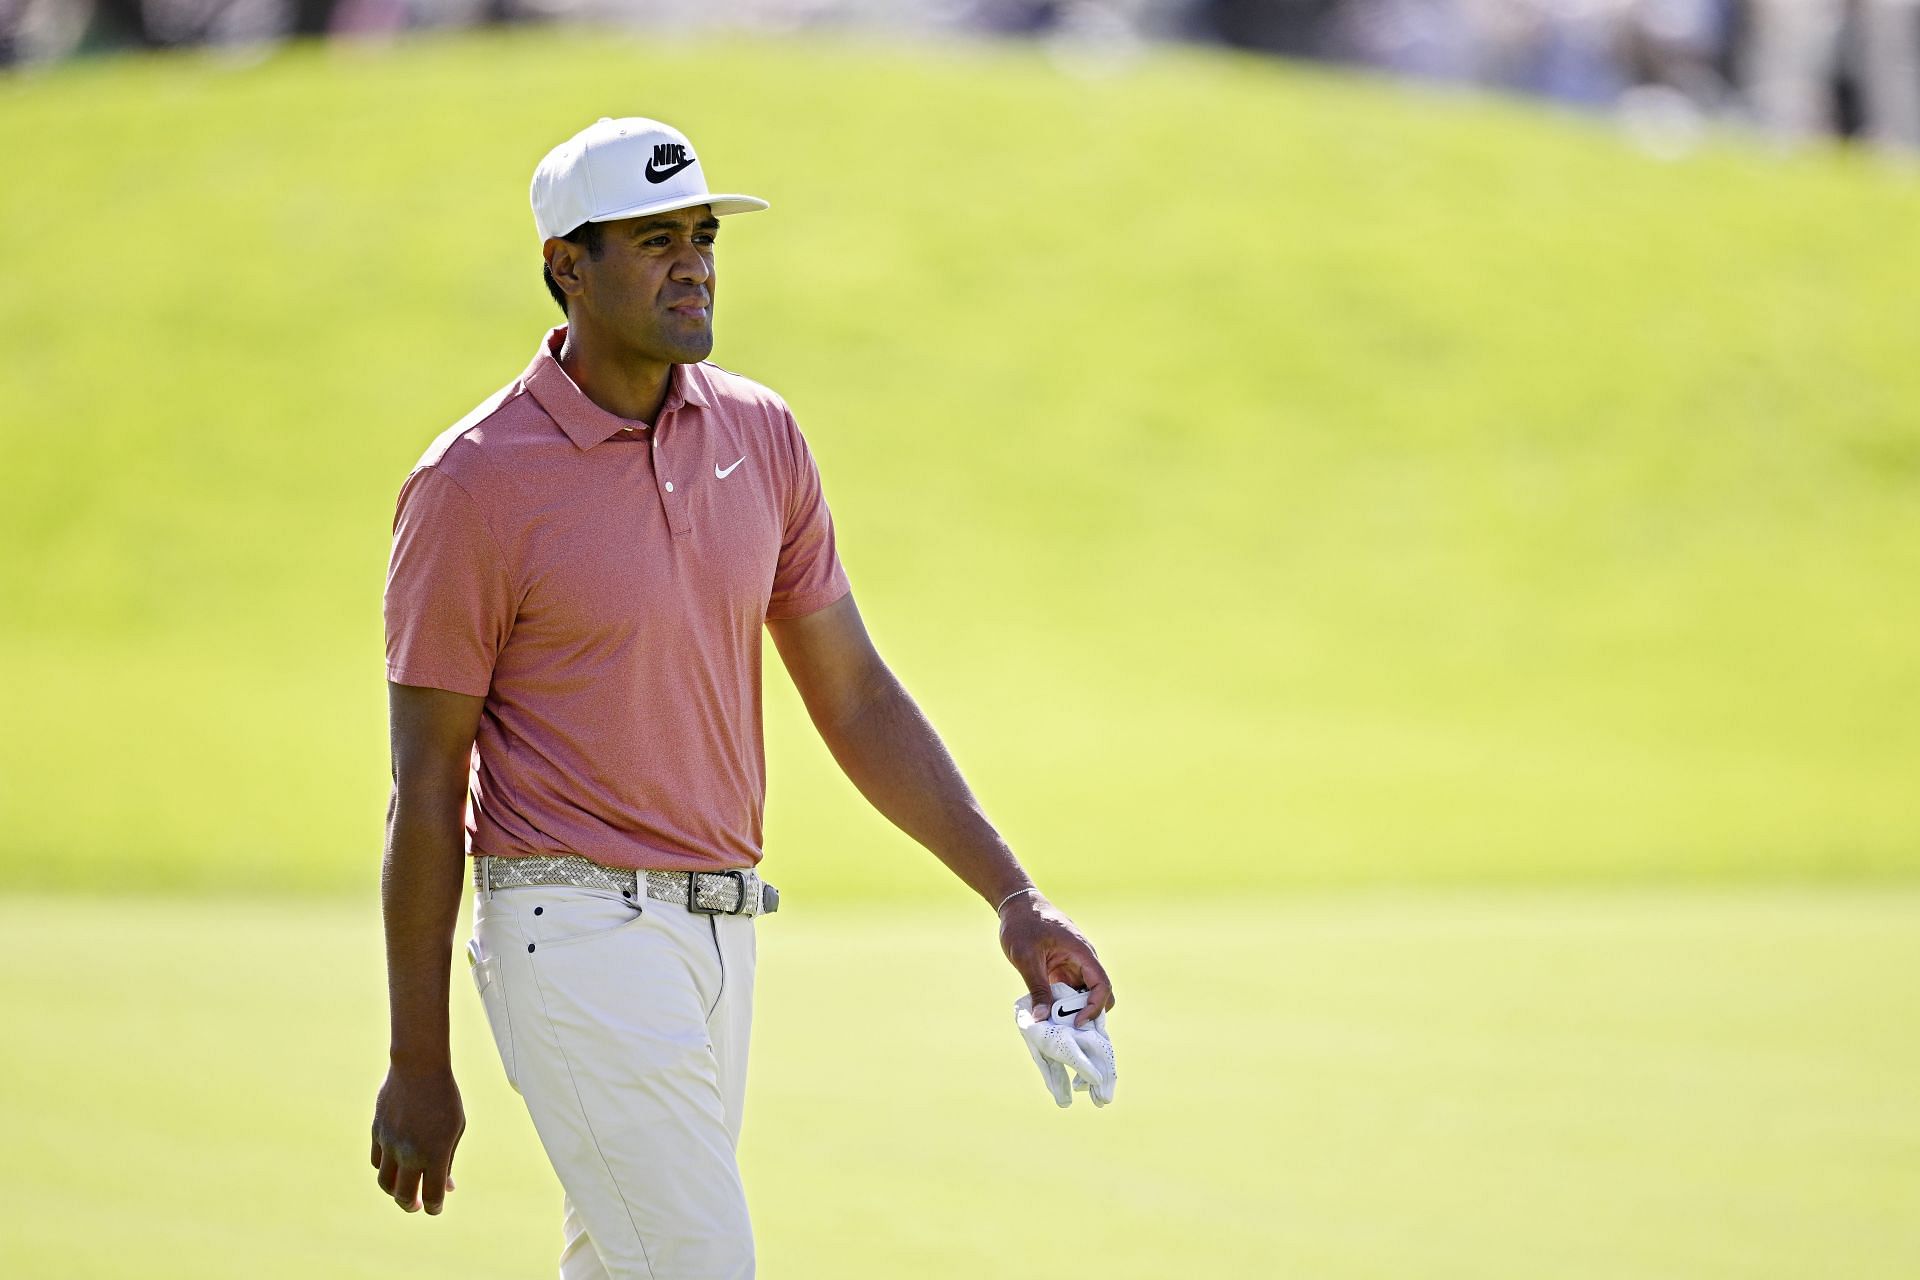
(718, 474)
(661, 175)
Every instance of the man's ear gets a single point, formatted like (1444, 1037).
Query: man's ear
(563, 264)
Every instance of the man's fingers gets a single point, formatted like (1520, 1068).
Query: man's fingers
(450, 1155)
(1099, 998)
(389, 1172)
(433, 1188)
(1083, 973)
(406, 1190)
(414, 1187)
(376, 1151)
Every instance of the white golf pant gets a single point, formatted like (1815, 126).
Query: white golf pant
(624, 1027)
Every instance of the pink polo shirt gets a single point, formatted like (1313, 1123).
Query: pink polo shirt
(603, 583)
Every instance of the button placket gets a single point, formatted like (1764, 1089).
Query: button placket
(673, 496)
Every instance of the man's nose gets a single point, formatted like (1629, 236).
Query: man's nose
(691, 266)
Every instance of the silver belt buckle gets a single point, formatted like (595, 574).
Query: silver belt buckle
(740, 896)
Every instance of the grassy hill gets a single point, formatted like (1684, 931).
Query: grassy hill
(1271, 476)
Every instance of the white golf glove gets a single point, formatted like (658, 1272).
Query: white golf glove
(1059, 1048)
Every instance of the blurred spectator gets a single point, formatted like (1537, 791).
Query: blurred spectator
(1298, 27)
(1889, 45)
(1791, 59)
(1800, 49)
(1433, 39)
(1685, 45)
(40, 30)
(1798, 68)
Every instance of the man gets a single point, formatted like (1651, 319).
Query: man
(581, 568)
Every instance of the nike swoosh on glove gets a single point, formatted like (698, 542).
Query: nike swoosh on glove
(1069, 1057)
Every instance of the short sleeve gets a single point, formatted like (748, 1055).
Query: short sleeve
(448, 607)
(809, 575)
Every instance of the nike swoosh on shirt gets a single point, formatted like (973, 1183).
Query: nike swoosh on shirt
(718, 474)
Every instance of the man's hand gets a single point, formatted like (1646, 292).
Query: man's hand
(1045, 947)
(417, 1123)
(1069, 1057)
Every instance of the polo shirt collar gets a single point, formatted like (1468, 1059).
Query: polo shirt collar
(585, 422)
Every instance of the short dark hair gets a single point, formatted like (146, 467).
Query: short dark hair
(588, 236)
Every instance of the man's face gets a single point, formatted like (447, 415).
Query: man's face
(651, 287)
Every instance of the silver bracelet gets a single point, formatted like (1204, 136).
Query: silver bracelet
(1010, 897)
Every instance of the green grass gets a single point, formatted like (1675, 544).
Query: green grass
(1678, 1083)
(1267, 480)
(1248, 467)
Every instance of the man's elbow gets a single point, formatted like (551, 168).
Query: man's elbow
(863, 701)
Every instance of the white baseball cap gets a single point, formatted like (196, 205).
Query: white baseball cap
(622, 169)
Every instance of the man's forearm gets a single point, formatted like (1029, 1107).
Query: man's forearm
(893, 755)
(889, 750)
(420, 898)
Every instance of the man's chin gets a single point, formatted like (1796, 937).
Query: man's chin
(689, 349)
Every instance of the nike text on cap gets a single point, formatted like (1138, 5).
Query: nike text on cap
(622, 169)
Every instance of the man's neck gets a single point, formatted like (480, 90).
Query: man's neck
(617, 381)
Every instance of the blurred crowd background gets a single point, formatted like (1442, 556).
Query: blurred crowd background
(1794, 68)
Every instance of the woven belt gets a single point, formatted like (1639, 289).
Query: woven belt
(715, 893)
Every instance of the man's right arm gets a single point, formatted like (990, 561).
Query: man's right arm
(417, 1120)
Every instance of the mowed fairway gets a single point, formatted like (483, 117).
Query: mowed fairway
(1693, 1084)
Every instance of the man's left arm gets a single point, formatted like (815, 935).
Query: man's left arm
(889, 750)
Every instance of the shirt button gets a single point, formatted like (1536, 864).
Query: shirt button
(669, 486)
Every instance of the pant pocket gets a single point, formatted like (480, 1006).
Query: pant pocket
(552, 916)
(493, 997)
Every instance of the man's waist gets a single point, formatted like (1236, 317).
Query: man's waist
(695, 833)
(727, 891)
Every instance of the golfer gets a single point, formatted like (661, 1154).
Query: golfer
(581, 569)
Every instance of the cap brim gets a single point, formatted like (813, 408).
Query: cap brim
(722, 205)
